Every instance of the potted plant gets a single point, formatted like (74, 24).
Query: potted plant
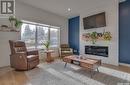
(12, 21)
(47, 45)
(15, 23)
(94, 37)
(18, 23)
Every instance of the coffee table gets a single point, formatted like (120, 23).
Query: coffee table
(88, 63)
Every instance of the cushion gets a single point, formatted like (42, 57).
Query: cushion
(66, 52)
(20, 49)
(65, 49)
(32, 57)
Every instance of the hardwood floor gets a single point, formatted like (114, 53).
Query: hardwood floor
(119, 68)
(9, 76)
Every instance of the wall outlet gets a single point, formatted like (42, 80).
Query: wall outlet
(75, 51)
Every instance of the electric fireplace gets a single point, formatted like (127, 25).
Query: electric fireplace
(97, 50)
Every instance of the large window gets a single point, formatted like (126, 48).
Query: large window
(54, 39)
(35, 35)
(42, 35)
(28, 35)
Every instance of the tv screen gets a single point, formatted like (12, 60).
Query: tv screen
(94, 21)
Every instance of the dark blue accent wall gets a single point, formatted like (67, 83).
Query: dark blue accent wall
(124, 32)
(73, 28)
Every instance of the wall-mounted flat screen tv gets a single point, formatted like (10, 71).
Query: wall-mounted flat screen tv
(95, 21)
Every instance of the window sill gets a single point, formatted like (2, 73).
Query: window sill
(41, 48)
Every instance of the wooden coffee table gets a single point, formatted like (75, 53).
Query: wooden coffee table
(88, 63)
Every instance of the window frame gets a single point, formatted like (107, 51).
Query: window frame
(36, 33)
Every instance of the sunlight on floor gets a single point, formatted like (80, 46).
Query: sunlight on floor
(115, 73)
(83, 78)
(72, 78)
(29, 84)
(75, 67)
(62, 76)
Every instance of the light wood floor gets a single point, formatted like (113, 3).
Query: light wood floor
(10, 77)
(119, 68)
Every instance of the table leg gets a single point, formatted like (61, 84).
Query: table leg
(91, 73)
(97, 70)
(65, 65)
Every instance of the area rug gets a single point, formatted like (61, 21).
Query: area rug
(55, 74)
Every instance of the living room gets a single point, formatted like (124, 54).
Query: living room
(65, 42)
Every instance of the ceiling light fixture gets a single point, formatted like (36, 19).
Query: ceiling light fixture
(69, 9)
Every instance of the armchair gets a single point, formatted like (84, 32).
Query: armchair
(20, 58)
(65, 50)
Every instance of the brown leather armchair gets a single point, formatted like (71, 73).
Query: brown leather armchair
(65, 50)
(20, 58)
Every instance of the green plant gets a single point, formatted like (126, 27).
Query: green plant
(17, 22)
(94, 37)
(107, 36)
(47, 44)
(12, 18)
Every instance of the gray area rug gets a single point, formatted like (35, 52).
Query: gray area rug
(55, 74)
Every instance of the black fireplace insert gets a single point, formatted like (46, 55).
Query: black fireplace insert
(97, 50)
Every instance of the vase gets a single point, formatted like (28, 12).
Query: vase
(12, 24)
(47, 49)
(93, 41)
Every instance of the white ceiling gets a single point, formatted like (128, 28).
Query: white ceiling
(60, 7)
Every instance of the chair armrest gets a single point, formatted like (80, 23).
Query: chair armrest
(21, 55)
(71, 50)
(59, 51)
(32, 52)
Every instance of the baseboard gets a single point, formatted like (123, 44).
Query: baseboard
(124, 64)
(5, 67)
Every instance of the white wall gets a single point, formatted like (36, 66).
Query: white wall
(111, 9)
(5, 48)
(29, 13)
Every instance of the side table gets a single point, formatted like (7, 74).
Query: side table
(49, 57)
